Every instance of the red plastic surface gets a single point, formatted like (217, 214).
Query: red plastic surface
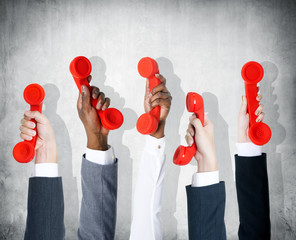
(194, 103)
(148, 122)
(252, 73)
(24, 152)
(80, 69)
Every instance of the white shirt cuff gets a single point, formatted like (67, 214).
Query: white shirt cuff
(100, 157)
(248, 149)
(46, 170)
(205, 179)
(155, 145)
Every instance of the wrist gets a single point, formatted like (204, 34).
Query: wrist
(160, 130)
(208, 164)
(243, 138)
(47, 153)
(97, 142)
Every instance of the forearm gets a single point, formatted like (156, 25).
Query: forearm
(253, 197)
(98, 206)
(45, 219)
(206, 207)
(147, 196)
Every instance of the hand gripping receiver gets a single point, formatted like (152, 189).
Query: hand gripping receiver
(252, 73)
(195, 104)
(148, 122)
(24, 152)
(80, 68)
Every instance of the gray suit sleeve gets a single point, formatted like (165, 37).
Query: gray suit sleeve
(99, 197)
(45, 219)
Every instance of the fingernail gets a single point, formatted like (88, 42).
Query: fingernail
(83, 88)
(34, 133)
(257, 119)
(32, 125)
(99, 105)
(27, 112)
(190, 142)
(256, 113)
(30, 138)
(157, 75)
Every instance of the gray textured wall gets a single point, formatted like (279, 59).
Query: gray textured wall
(200, 46)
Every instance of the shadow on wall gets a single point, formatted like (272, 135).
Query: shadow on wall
(224, 159)
(124, 197)
(170, 187)
(64, 160)
(279, 227)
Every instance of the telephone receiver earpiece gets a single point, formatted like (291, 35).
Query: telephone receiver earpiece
(195, 104)
(80, 68)
(24, 151)
(252, 73)
(148, 122)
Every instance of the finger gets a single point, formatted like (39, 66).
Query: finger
(196, 123)
(79, 102)
(244, 107)
(207, 121)
(162, 95)
(190, 129)
(95, 91)
(189, 139)
(26, 137)
(159, 88)
(259, 110)
(26, 117)
(89, 78)
(147, 89)
(27, 131)
(161, 78)
(259, 97)
(106, 104)
(39, 118)
(101, 101)
(260, 117)
(161, 102)
(28, 123)
(85, 105)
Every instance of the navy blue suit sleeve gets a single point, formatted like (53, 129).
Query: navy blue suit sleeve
(206, 208)
(45, 219)
(253, 197)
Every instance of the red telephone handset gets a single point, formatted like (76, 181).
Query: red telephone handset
(148, 122)
(252, 73)
(80, 68)
(24, 152)
(194, 103)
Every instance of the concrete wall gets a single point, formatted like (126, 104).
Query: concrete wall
(199, 45)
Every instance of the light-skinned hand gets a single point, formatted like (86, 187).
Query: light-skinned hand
(46, 149)
(204, 140)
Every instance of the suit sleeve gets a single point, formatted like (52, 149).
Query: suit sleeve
(206, 207)
(253, 197)
(98, 205)
(45, 219)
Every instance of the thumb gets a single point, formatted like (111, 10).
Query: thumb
(39, 118)
(85, 97)
(244, 107)
(147, 89)
(196, 123)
